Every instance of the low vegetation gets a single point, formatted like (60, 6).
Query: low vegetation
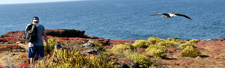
(71, 59)
(141, 43)
(190, 51)
(141, 52)
(51, 43)
(141, 59)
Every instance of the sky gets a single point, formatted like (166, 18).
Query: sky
(30, 1)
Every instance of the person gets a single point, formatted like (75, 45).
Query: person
(57, 47)
(37, 47)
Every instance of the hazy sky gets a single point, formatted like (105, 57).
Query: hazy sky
(30, 1)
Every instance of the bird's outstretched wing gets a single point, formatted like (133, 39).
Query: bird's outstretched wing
(183, 16)
(155, 14)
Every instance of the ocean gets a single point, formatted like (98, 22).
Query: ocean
(122, 19)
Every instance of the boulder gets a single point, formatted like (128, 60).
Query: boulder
(66, 33)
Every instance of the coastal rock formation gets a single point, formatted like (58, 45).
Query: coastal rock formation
(63, 34)
(66, 33)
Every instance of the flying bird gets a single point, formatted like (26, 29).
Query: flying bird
(170, 15)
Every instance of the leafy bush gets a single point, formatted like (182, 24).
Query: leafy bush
(96, 44)
(156, 51)
(99, 62)
(194, 40)
(105, 54)
(167, 44)
(154, 40)
(120, 48)
(184, 45)
(190, 51)
(141, 59)
(128, 46)
(71, 59)
(174, 39)
(141, 43)
(51, 43)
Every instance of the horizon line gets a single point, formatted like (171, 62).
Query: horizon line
(39, 2)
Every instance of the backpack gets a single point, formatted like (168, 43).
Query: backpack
(30, 34)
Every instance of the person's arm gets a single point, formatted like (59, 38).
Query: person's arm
(46, 39)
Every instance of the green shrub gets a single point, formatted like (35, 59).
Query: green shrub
(156, 51)
(122, 47)
(141, 59)
(119, 49)
(141, 44)
(128, 46)
(190, 51)
(184, 45)
(178, 41)
(194, 40)
(105, 54)
(96, 44)
(116, 50)
(175, 40)
(154, 40)
(71, 59)
(167, 43)
(51, 43)
(98, 62)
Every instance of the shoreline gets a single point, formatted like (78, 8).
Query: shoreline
(56, 30)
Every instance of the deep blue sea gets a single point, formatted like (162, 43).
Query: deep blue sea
(122, 19)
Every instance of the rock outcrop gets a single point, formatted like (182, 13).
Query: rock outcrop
(63, 34)
(66, 33)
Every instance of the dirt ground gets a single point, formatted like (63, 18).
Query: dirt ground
(12, 58)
